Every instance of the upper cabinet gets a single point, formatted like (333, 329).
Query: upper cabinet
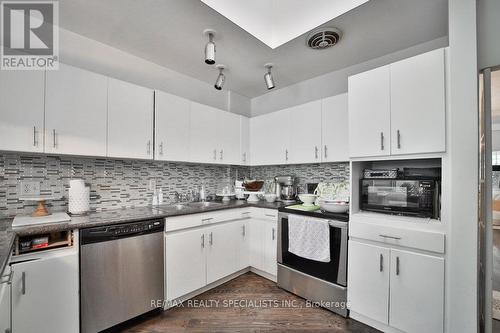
(399, 108)
(244, 140)
(270, 137)
(305, 133)
(172, 127)
(203, 143)
(334, 129)
(228, 137)
(370, 113)
(21, 110)
(130, 120)
(75, 112)
(418, 104)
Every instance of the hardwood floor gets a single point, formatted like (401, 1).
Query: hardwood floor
(262, 308)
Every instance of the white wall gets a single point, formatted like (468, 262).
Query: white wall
(488, 28)
(331, 84)
(461, 170)
(89, 54)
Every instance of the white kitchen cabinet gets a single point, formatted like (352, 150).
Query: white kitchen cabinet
(244, 140)
(305, 133)
(418, 104)
(203, 134)
(416, 292)
(270, 138)
(75, 112)
(243, 249)
(368, 280)
(172, 117)
(5, 297)
(130, 120)
(222, 250)
(370, 113)
(269, 263)
(334, 129)
(256, 243)
(185, 262)
(21, 110)
(45, 293)
(228, 137)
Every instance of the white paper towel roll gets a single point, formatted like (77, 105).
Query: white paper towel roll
(79, 200)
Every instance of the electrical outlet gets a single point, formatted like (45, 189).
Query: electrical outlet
(30, 188)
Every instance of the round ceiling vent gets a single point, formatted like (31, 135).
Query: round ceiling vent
(323, 38)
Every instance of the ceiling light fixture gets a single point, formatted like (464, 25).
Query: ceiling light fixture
(268, 77)
(221, 78)
(210, 47)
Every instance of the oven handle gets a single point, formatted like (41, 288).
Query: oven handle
(338, 224)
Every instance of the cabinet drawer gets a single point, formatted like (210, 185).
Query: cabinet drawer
(265, 214)
(224, 215)
(412, 238)
(182, 222)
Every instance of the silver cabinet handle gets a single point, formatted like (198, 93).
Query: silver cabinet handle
(215, 154)
(316, 152)
(269, 215)
(211, 239)
(207, 219)
(244, 157)
(34, 137)
(244, 231)
(54, 138)
(397, 265)
(221, 154)
(273, 234)
(326, 151)
(23, 283)
(149, 147)
(381, 262)
(399, 139)
(202, 241)
(381, 140)
(286, 154)
(161, 148)
(391, 237)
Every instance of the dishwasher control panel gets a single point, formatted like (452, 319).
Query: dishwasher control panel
(122, 230)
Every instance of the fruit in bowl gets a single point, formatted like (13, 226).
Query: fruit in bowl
(307, 199)
(253, 185)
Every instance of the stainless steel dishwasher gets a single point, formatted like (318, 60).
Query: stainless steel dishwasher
(121, 272)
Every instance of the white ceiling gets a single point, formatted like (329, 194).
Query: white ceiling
(275, 22)
(169, 33)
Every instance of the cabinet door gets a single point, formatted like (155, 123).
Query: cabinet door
(368, 280)
(228, 136)
(270, 138)
(334, 129)
(369, 113)
(171, 127)
(130, 120)
(270, 248)
(185, 262)
(243, 249)
(75, 112)
(418, 104)
(244, 141)
(305, 133)
(417, 292)
(21, 110)
(256, 243)
(45, 294)
(203, 141)
(222, 250)
(5, 302)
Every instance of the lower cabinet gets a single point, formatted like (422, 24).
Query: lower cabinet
(398, 288)
(201, 255)
(45, 293)
(5, 301)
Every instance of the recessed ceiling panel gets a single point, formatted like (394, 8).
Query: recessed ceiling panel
(275, 22)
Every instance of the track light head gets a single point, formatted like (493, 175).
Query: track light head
(210, 47)
(221, 78)
(268, 77)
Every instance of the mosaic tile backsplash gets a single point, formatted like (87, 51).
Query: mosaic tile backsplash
(118, 183)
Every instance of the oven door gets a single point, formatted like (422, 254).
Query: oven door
(334, 271)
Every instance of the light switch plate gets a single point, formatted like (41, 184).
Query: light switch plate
(29, 188)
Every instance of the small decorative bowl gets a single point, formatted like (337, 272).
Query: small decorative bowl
(307, 199)
(270, 197)
(254, 186)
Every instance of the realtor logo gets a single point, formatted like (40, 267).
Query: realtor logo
(30, 35)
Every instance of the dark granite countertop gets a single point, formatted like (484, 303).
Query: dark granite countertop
(8, 233)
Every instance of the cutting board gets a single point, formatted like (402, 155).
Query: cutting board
(24, 220)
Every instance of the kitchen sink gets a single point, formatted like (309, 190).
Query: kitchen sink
(205, 204)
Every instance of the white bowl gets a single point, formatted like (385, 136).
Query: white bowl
(334, 206)
(270, 197)
(307, 199)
